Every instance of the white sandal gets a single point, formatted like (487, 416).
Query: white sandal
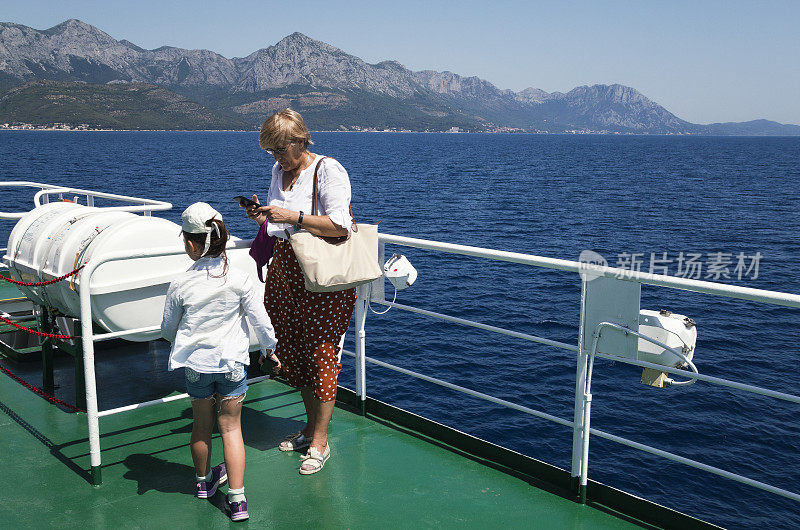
(293, 442)
(315, 459)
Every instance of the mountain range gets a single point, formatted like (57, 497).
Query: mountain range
(76, 73)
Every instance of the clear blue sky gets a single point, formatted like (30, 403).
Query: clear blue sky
(705, 61)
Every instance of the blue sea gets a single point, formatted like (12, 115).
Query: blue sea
(732, 203)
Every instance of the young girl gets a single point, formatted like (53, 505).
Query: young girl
(204, 319)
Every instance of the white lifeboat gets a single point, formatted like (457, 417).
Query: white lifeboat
(56, 238)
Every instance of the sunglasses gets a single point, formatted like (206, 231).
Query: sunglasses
(277, 151)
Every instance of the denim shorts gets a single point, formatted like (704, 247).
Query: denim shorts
(227, 384)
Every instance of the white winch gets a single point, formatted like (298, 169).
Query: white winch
(676, 331)
(399, 271)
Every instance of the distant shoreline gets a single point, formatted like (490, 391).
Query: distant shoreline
(568, 133)
(57, 129)
(540, 133)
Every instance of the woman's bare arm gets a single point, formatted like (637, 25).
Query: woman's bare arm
(319, 225)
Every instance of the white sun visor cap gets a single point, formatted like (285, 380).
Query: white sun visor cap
(194, 221)
(195, 216)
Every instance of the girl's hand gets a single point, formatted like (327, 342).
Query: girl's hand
(276, 214)
(277, 366)
(272, 356)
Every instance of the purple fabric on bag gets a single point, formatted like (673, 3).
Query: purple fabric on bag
(261, 249)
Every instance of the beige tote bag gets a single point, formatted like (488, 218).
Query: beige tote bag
(337, 263)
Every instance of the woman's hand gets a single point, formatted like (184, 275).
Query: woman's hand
(319, 225)
(254, 213)
(276, 214)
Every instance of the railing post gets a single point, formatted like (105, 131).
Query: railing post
(80, 378)
(48, 383)
(580, 405)
(87, 338)
(361, 370)
(587, 407)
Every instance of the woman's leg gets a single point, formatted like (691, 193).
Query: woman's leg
(320, 399)
(311, 411)
(323, 410)
(326, 367)
(230, 427)
(200, 441)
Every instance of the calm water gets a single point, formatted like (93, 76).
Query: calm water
(552, 196)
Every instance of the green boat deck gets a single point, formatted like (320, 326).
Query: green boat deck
(388, 467)
(378, 476)
(8, 290)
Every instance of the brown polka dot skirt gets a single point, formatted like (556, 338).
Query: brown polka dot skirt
(308, 325)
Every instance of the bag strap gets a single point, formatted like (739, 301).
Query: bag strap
(314, 198)
(314, 189)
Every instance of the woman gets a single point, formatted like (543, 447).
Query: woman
(309, 326)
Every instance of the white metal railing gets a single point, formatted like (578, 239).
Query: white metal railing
(721, 289)
(126, 408)
(88, 338)
(145, 206)
(465, 390)
(485, 327)
(581, 423)
(602, 434)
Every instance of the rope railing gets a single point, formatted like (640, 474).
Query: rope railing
(41, 284)
(45, 395)
(38, 333)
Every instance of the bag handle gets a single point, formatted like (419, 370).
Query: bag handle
(314, 201)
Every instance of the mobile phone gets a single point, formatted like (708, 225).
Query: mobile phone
(245, 202)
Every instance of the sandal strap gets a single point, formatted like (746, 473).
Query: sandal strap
(293, 437)
(314, 454)
(295, 441)
(314, 461)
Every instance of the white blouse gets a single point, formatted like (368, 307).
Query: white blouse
(204, 318)
(333, 186)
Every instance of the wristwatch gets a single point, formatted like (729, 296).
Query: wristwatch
(299, 221)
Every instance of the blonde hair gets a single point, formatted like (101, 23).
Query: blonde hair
(282, 128)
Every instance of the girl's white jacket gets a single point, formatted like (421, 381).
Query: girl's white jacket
(204, 318)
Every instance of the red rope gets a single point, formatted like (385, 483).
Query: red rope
(39, 284)
(48, 397)
(37, 333)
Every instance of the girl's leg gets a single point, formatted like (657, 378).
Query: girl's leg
(229, 420)
(200, 441)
